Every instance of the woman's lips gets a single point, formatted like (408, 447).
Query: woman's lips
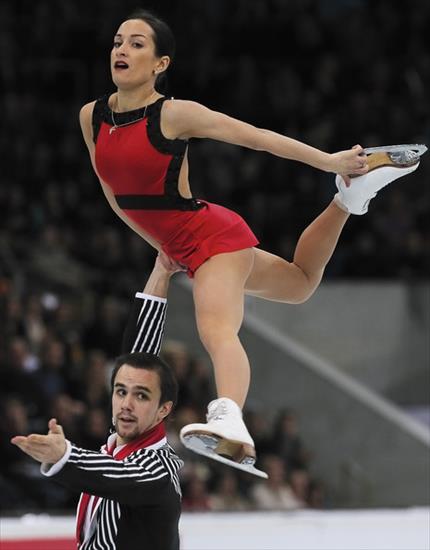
(120, 65)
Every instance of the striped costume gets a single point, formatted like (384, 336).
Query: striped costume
(131, 494)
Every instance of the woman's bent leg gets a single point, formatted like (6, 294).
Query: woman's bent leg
(276, 279)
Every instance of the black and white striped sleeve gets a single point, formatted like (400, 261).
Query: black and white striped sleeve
(145, 325)
(138, 479)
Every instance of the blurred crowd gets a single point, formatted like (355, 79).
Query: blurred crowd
(48, 374)
(331, 73)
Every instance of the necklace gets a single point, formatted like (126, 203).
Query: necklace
(115, 125)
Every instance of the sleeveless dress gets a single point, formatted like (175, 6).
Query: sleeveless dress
(142, 168)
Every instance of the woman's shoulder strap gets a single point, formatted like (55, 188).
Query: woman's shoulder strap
(174, 147)
(100, 108)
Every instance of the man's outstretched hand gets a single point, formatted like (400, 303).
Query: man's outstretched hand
(48, 449)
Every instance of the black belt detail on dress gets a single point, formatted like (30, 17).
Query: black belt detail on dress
(157, 202)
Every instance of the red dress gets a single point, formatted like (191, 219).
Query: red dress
(142, 168)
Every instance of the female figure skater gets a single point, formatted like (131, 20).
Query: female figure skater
(137, 140)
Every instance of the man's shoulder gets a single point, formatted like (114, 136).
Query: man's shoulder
(169, 451)
(163, 452)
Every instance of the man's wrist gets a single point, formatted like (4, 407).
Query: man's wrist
(146, 295)
(52, 469)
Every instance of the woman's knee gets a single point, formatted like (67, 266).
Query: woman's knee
(306, 289)
(302, 296)
(214, 332)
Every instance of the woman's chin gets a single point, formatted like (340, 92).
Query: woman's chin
(122, 82)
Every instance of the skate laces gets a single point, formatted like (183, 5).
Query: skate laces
(217, 413)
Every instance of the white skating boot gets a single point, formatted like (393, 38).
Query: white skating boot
(224, 437)
(386, 164)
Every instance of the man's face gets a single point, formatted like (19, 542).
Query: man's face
(136, 404)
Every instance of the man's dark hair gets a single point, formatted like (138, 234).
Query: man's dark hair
(164, 39)
(148, 361)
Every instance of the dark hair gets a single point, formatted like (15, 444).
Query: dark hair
(163, 38)
(148, 361)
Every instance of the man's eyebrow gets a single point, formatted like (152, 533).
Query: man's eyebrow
(144, 388)
(120, 35)
(137, 387)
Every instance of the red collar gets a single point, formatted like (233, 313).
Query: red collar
(154, 435)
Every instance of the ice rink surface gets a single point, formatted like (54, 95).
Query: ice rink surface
(391, 529)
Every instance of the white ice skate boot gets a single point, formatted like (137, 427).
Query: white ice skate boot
(224, 437)
(386, 164)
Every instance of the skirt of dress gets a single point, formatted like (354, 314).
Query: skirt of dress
(213, 230)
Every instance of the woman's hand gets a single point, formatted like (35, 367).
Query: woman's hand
(347, 163)
(164, 263)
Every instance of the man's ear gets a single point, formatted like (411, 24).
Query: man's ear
(165, 409)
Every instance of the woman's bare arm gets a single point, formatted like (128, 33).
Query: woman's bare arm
(187, 119)
(85, 119)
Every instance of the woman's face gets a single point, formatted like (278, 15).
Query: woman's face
(133, 59)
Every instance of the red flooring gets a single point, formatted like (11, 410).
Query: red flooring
(38, 544)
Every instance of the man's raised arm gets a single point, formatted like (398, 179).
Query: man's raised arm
(145, 325)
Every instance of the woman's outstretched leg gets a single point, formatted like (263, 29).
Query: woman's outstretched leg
(274, 278)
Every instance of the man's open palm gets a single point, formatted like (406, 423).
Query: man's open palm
(48, 449)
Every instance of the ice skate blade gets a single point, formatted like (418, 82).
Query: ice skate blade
(418, 148)
(239, 452)
(205, 445)
(394, 156)
(398, 156)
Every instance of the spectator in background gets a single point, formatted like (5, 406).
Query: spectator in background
(299, 481)
(70, 414)
(18, 375)
(317, 497)
(33, 323)
(95, 429)
(106, 329)
(194, 376)
(259, 429)
(226, 496)
(196, 494)
(178, 356)
(286, 442)
(22, 484)
(95, 390)
(53, 374)
(13, 419)
(20, 357)
(275, 493)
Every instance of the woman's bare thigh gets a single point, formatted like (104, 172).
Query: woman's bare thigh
(273, 278)
(219, 287)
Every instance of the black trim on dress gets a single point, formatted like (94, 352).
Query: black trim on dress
(171, 199)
